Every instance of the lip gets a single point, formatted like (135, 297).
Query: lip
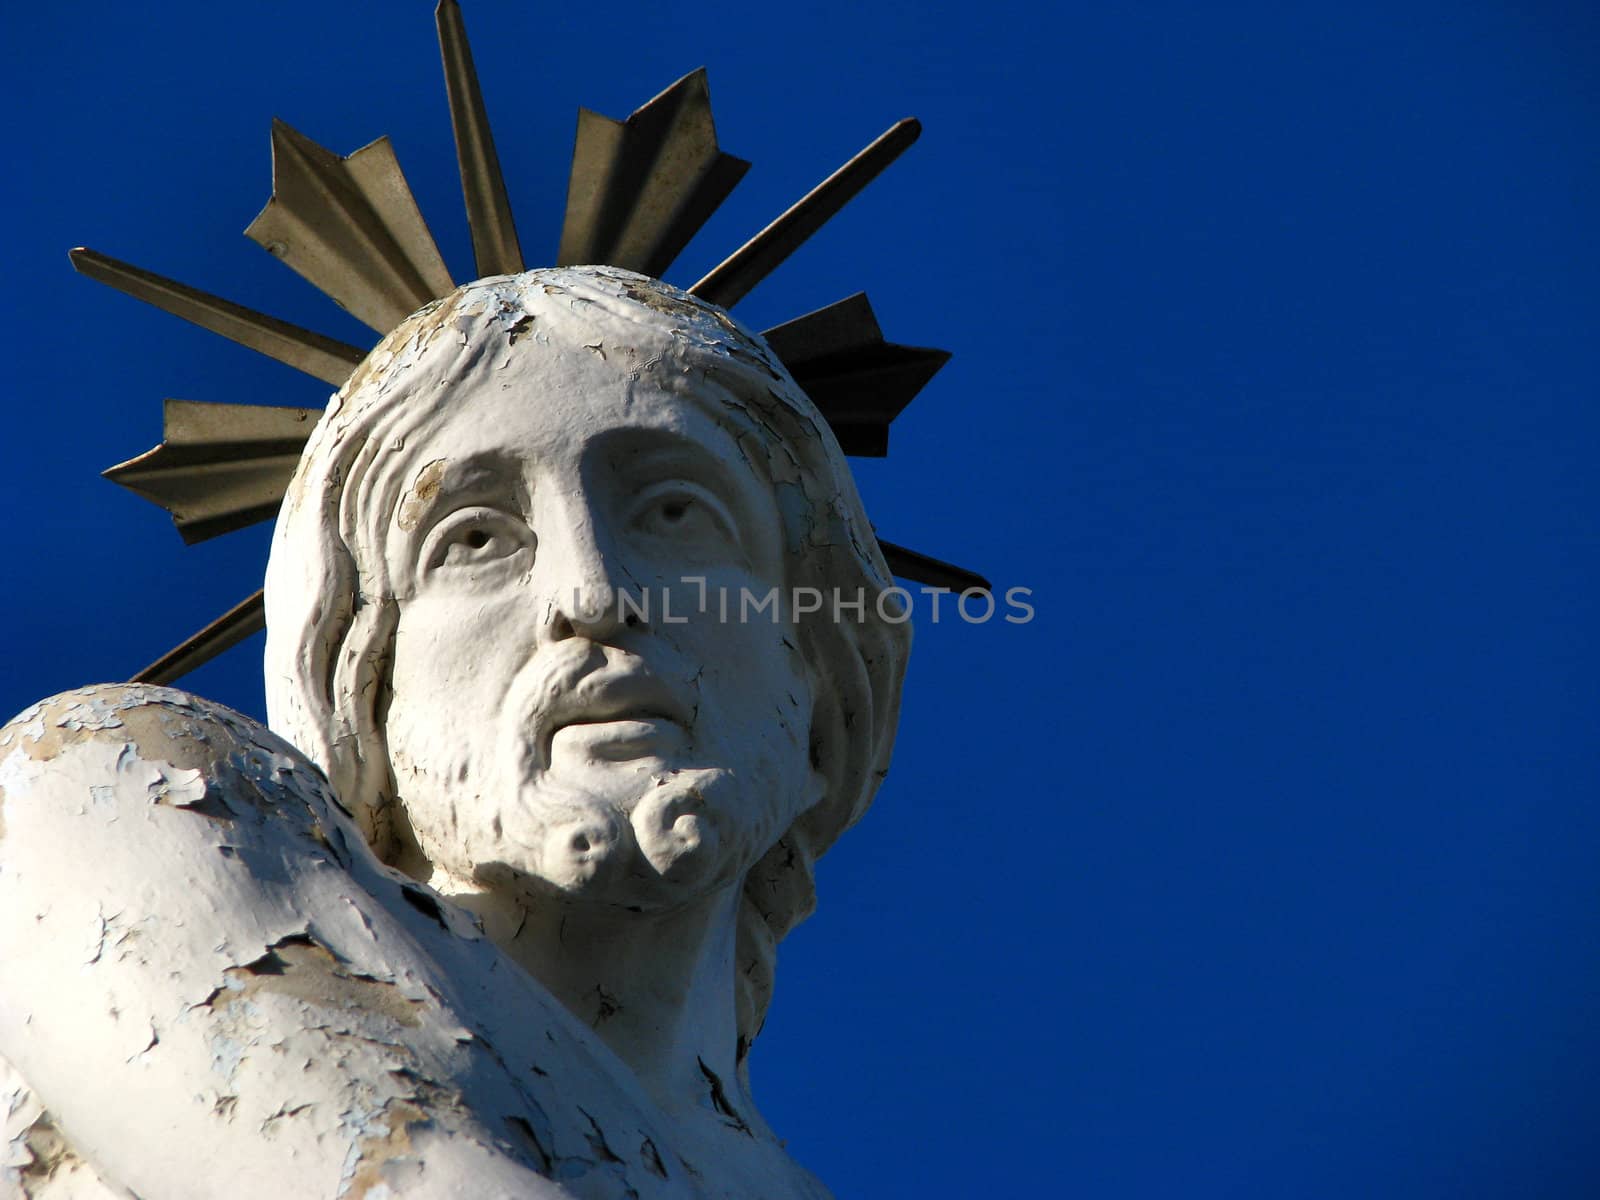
(619, 739)
(618, 706)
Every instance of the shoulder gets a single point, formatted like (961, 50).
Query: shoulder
(153, 721)
(111, 746)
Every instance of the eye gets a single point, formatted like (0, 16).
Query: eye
(476, 537)
(683, 512)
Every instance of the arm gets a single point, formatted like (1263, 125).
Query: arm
(217, 990)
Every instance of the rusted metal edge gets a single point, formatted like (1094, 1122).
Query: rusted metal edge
(318, 356)
(226, 632)
(495, 247)
(732, 279)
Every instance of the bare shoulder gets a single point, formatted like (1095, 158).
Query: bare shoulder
(110, 745)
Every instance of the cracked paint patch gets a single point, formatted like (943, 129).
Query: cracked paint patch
(420, 493)
(597, 1141)
(720, 1102)
(389, 1141)
(530, 1140)
(300, 967)
(651, 1157)
(36, 1160)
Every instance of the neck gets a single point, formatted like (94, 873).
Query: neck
(656, 988)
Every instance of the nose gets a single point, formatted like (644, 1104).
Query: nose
(585, 583)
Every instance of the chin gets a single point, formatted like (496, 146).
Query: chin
(649, 845)
(644, 840)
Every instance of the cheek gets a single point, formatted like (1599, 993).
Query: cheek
(756, 704)
(454, 658)
(449, 686)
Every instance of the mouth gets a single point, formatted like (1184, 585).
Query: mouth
(619, 739)
(616, 716)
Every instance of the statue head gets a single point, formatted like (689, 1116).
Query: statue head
(530, 605)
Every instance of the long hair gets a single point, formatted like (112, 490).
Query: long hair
(331, 612)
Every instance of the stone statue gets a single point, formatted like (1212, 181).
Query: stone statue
(493, 910)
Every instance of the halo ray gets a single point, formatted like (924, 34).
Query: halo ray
(641, 188)
(376, 260)
(219, 467)
(495, 247)
(858, 381)
(318, 356)
(731, 280)
(227, 631)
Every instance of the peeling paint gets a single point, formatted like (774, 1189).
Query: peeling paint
(651, 1157)
(306, 996)
(720, 1102)
(377, 1150)
(52, 740)
(421, 492)
(301, 967)
(597, 1140)
(36, 1161)
(523, 1128)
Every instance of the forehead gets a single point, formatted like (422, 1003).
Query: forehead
(556, 408)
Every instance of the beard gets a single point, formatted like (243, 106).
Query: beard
(598, 774)
(581, 813)
(648, 851)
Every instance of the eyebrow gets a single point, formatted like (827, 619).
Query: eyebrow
(445, 483)
(641, 451)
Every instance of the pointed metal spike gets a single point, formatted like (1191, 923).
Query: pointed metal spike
(862, 394)
(220, 467)
(226, 632)
(861, 440)
(641, 188)
(207, 500)
(731, 281)
(595, 152)
(318, 356)
(873, 384)
(846, 324)
(858, 381)
(375, 170)
(321, 223)
(494, 232)
(935, 572)
(204, 424)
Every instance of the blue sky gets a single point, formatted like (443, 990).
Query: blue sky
(1266, 860)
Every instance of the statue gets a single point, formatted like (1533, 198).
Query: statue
(486, 630)
(580, 650)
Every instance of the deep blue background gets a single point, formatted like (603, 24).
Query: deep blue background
(1266, 861)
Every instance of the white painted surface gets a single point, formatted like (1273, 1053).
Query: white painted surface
(213, 986)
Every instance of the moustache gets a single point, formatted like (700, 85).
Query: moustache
(577, 681)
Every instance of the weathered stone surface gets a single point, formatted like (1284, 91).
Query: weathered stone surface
(521, 943)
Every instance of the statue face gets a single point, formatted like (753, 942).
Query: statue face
(539, 736)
